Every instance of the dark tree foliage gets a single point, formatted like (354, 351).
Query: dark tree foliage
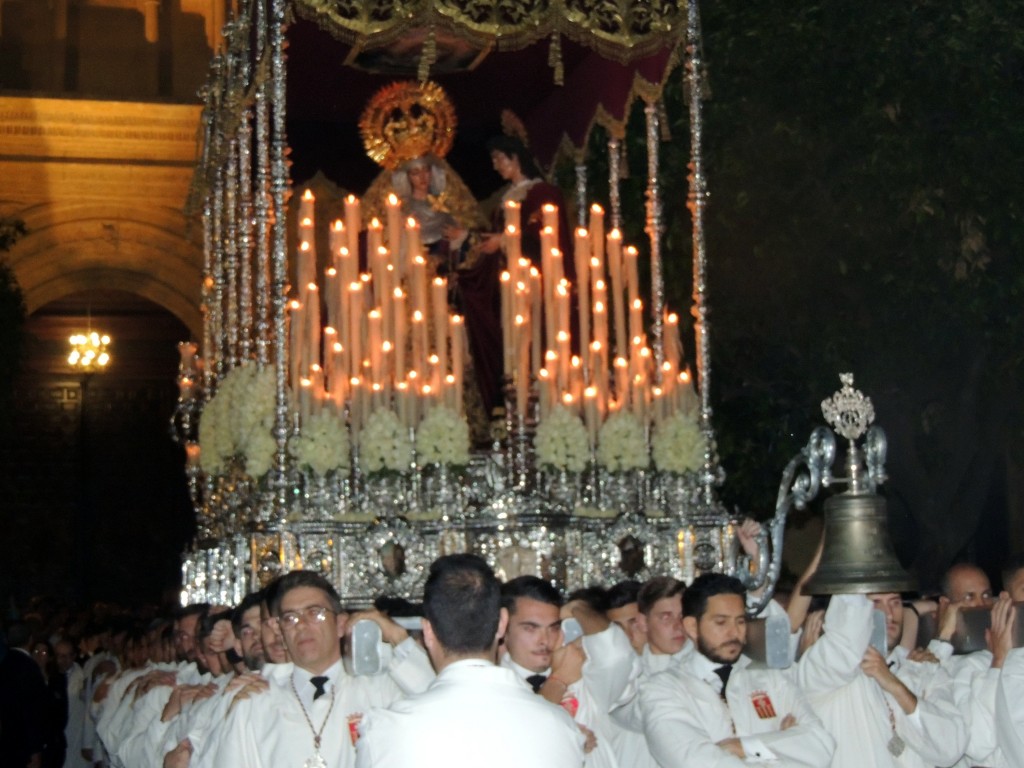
(865, 215)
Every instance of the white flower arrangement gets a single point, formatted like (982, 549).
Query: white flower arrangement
(386, 445)
(443, 438)
(238, 421)
(621, 445)
(322, 445)
(678, 445)
(561, 441)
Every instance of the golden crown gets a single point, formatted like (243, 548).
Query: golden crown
(406, 120)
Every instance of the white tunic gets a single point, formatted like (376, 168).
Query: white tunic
(630, 742)
(1009, 708)
(606, 674)
(467, 718)
(684, 718)
(271, 730)
(860, 715)
(975, 688)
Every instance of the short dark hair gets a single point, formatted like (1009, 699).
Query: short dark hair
(462, 602)
(623, 593)
(195, 609)
(512, 146)
(296, 579)
(531, 587)
(594, 596)
(250, 601)
(1010, 568)
(706, 586)
(656, 589)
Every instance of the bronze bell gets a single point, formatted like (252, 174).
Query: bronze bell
(858, 557)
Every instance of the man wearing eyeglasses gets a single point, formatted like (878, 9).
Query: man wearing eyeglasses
(309, 715)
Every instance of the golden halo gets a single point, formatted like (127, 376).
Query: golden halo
(406, 120)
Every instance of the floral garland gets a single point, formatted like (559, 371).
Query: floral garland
(237, 422)
(443, 438)
(386, 445)
(323, 445)
(621, 444)
(561, 441)
(678, 445)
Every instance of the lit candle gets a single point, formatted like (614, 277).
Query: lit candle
(439, 305)
(522, 371)
(374, 236)
(618, 308)
(458, 335)
(401, 318)
(632, 274)
(590, 414)
(536, 309)
(393, 213)
(355, 328)
(564, 355)
(353, 223)
(192, 454)
(582, 257)
(374, 329)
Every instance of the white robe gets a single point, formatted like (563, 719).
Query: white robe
(975, 687)
(630, 741)
(589, 700)
(270, 729)
(1009, 708)
(684, 718)
(855, 709)
(475, 713)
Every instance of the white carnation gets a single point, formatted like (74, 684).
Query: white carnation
(621, 444)
(561, 440)
(678, 445)
(322, 445)
(386, 444)
(443, 438)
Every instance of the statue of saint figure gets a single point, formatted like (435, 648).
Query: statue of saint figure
(408, 128)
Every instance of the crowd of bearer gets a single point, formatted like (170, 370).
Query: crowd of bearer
(657, 677)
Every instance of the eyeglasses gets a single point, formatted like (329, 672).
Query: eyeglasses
(315, 614)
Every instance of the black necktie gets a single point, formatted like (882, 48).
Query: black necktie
(536, 681)
(723, 672)
(319, 681)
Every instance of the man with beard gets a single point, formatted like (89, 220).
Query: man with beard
(712, 710)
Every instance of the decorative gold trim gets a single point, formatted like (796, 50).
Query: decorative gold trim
(619, 30)
(406, 120)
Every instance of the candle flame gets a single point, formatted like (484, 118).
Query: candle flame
(590, 392)
(329, 330)
(308, 195)
(338, 347)
(331, 272)
(387, 346)
(582, 232)
(294, 305)
(417, 316)
(375, 223)
(392, 199)
(304, 246)
(596, 346)
(338, 225)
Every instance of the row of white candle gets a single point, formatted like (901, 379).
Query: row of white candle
(388, 339)
(538, 333)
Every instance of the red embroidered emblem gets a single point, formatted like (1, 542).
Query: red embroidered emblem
(762, 705)
(353, 726)
(571, 705)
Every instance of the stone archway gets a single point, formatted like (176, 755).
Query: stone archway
(73, 247)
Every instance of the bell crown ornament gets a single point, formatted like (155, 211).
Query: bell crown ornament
(858, 557)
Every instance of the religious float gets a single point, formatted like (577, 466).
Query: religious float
(324, 412)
